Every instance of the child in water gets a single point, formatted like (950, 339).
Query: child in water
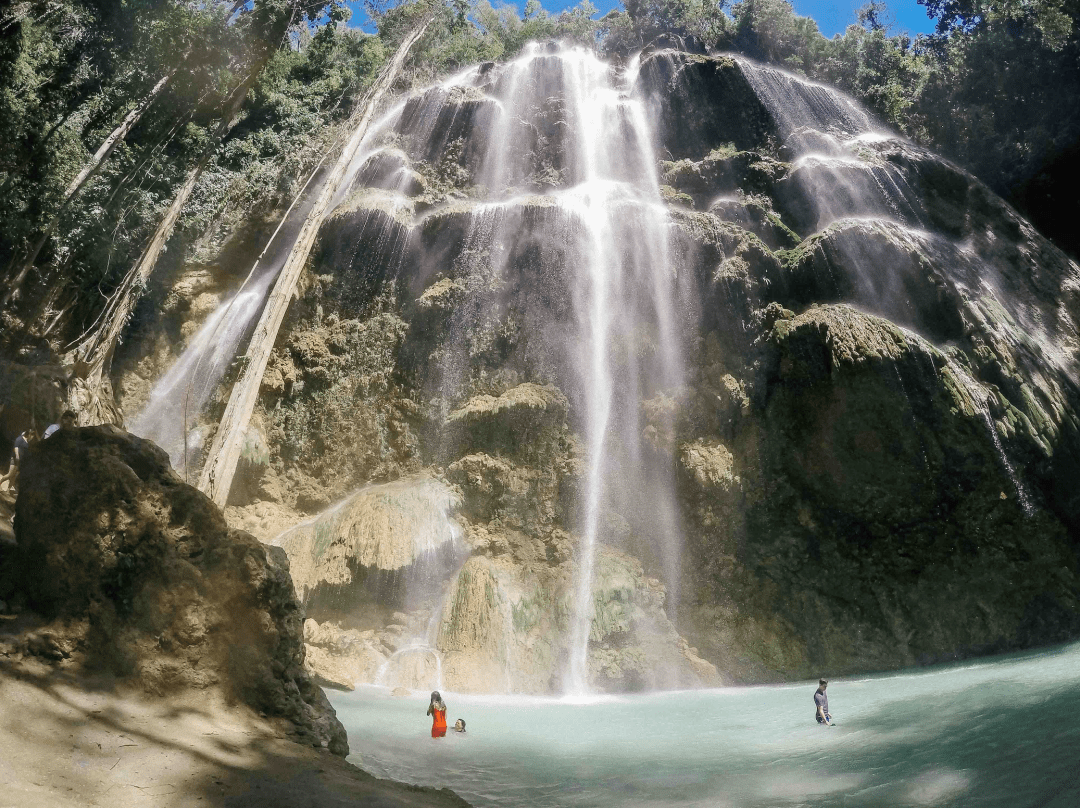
(437, 710)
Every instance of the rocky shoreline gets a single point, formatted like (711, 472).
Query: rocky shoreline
(137, 628)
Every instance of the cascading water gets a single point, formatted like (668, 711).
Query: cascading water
(181, 394)
(834, 174)
(623, 281)
(978, 395)
(568, 154)
(171, 414)
(800, 106)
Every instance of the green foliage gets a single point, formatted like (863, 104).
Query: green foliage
(702, 19)
(70, 70)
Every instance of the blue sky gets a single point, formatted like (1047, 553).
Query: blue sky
(832, 16)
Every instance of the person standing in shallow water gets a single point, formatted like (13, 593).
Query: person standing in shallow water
(437, 710)
(821, 704)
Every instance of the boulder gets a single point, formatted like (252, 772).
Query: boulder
(367, 546)
(142, 578)
(29, 396)
(341, 658)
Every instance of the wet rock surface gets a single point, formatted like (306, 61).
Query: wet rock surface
(871, 446)
(341, 658)
(858, 515)
(137, 575)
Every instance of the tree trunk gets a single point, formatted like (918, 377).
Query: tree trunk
(94, 355)
(150, 154)
(91, 388)
(88, 170)
(217, 475)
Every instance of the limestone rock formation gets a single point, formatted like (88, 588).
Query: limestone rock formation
(719, 379)
(863, 514)
(389, 528)
(341, 657)
(141, 577)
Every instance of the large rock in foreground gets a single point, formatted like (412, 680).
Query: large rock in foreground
(153, 586)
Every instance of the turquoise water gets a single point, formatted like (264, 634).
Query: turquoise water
(1002, 732)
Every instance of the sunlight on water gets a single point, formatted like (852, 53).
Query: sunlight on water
(999, 732)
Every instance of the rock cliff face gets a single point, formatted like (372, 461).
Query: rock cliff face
(142, 578)
(726, 383)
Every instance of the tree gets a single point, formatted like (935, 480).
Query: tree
(217, 475)
(94, 355)
(154, 40)
(88, 170)
(874, 16)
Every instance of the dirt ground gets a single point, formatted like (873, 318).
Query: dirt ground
(68, 742)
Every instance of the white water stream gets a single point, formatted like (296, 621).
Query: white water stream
(624, 283)
(998, 733)
(171, 414)
(979, 396)
(565, 135)
(799, 105)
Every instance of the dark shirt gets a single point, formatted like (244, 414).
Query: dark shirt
(822, 701)
(22, 450)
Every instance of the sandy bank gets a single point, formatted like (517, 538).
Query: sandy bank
(77, 741)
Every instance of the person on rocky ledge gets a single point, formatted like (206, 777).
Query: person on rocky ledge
(67, 421)
(437, 710)
(821, 704)
(19, 452)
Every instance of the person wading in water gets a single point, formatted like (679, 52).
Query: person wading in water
(821, 704)
(437, 711)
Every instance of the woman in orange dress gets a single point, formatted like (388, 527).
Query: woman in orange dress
(437, 710)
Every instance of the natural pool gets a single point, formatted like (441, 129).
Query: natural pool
(1003, 731)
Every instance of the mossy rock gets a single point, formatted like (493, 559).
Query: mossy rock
(724, 171)
(856, 501)
(519, 422)
(703, 103)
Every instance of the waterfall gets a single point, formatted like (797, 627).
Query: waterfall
(841, 186)
(563, 162)
(798, 105)
(623, 284)
(183, 391)
(978, 395)
(567, 143)
(181, 394)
